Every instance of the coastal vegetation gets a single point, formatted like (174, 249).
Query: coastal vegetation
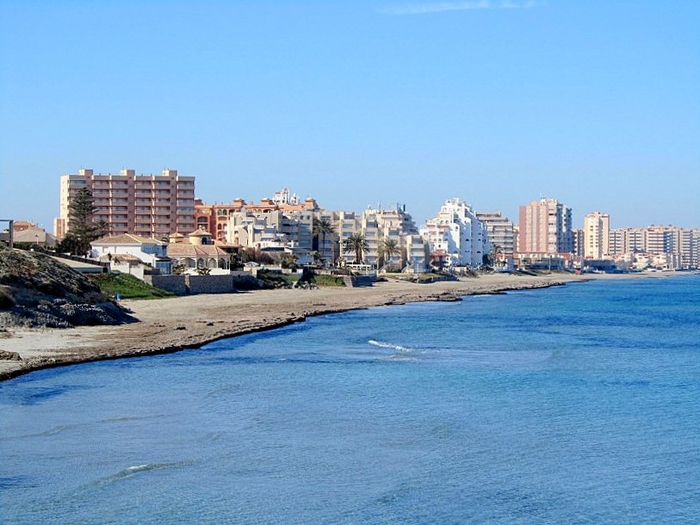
(388, 248)
(82, 228)
(276, 279)
(308, 278)
(321, 227)
(356, 244)
(328, 280)
(425, 278)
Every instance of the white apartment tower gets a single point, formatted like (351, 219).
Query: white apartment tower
(144, 205)
(596, 235)
(456, 234)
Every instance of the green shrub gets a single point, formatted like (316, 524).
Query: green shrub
(328, 280)
(127, 287)
(276, 279)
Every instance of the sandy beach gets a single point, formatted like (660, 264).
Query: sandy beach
(169, 325)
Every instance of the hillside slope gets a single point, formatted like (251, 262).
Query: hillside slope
(38, 291)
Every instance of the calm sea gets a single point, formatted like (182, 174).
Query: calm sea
(575, 404)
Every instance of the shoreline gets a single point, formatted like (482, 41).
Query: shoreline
(190, 322)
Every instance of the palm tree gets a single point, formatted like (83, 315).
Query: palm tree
(289, 261)
(387, 249)
(356, 243)
(316, 256)
(321, 227)
(494, 256)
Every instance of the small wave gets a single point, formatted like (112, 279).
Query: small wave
(10, 482)
(381, 344)
(224, 391)
(134, 470)
(212, 436)
(46, 433)
(400, 357)
(122, 419)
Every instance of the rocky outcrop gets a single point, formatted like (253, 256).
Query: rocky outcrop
(6, 355)
(37, 291)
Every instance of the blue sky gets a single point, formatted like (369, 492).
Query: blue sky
(595, 103)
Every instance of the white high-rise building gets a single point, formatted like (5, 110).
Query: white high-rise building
(456, 235)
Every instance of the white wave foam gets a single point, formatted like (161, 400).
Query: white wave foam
(381, 344)
(134, 470)
(145, 466)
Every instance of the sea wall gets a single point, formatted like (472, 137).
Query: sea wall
(193, 284)
(172, 283)
(199, 284)
(210, 284)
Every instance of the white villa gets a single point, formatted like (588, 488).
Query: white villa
(129, 247)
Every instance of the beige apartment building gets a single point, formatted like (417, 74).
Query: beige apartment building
(281, 224)
(215, 218)
(596, 235)
(381, 225)
(501, 235)
(680, 247)
(545, 228)
(627, 240)
(273, 225)
(146, 205)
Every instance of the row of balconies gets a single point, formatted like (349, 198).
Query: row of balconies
(110, 217)
(141, 192)
(103, 184)
(119, 191)
(152, 201)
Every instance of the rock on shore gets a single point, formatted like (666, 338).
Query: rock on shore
(37, 291)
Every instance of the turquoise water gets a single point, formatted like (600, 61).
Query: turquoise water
(575, 404)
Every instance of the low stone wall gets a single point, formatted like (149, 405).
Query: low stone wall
(172, 283)
(196, 284)
(210, 284)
